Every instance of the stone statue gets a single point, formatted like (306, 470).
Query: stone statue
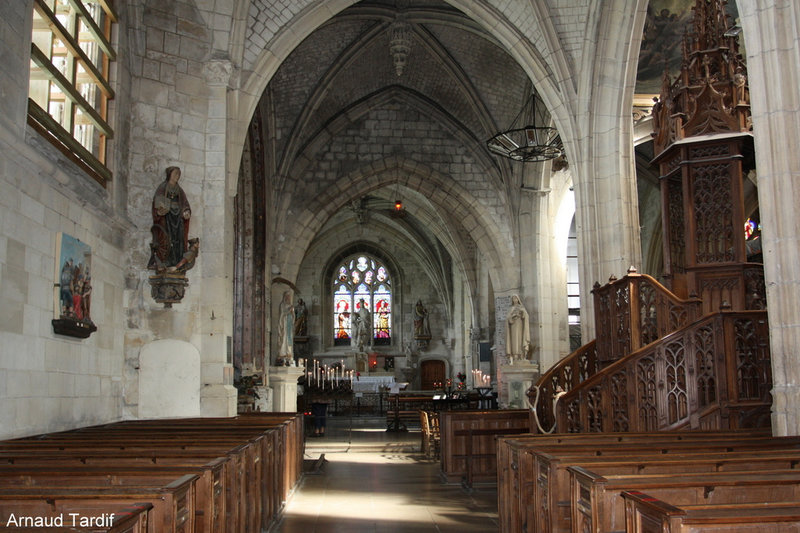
(518, 331)
(362, 326)
(171, 213)
(300, 319)
(422, 328)
(285, 328)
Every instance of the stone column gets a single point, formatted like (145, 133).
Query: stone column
(773, 56)
(218, 396)
(603, 163)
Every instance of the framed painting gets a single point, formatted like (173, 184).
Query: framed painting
(73, 288)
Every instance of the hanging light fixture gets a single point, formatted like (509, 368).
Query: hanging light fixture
(527, 143)
(398, 210)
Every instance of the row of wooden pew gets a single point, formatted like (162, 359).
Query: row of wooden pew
(649, 482)
(202, 475)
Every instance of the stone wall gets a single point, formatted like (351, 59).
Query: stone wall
(51, 382)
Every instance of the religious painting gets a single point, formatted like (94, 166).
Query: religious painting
(666, 23)
(73, 288)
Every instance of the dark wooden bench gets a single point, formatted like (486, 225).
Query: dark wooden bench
(243, 493)
(172, 512)
(597, 507)
(462, 454)
(552, 488)
(530, 495)
(209, 489)
(646, 514)
(258, 476)
(133, 519)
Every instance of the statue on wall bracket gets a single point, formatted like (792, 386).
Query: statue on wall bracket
(172, 252)
(422, 329)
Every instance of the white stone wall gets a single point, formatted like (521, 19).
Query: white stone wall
(50, 382)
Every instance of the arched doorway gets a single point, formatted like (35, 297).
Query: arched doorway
(431, 371)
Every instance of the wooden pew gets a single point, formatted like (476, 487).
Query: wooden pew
(529, 494)
(190, 441)
(462, 454)
(209, 497)
(597, 507)
(552, 487)
(172, 512)
(133, 519)
(241, 505)
(646, 514)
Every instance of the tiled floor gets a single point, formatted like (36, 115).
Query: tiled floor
(374, 481)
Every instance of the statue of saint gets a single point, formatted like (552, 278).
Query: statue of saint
(170, 230)
(518, 331)
(422, 328)
(286, 327)
(362, 326)
(300, 319)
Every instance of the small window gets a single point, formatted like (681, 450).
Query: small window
(69, 80)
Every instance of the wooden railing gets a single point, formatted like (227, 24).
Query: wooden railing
(630, 313)
(712, 374)
(634, 311)
(563, 376)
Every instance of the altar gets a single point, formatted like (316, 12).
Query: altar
(372, 382)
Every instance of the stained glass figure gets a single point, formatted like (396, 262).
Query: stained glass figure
(362, 277)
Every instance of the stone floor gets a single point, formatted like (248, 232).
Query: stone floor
(377, 481)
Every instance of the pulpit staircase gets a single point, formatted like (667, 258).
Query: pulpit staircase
(660, 362)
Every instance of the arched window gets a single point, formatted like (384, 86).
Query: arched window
(362, 278)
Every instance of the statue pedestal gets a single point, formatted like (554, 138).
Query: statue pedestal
(517, 379)
(283, 380)
(263, 403)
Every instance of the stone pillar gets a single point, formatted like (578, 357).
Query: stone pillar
(773, 56)
(603, 162)
(283, 380)
(218, 396)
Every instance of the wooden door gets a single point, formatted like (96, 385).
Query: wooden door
(431, 372)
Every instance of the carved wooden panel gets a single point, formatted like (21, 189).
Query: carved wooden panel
(755, 289)
(619, 402)
(622, 309)
(678, 317)
(646, 393)
(676, 393)
(750, 374)
(676, 229)
(573, 410)
(704, 366)
(713, 213)
(543, 482)
(648, 313)
(594, 409)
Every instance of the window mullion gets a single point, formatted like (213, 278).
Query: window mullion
(69, 90)
(66, 36)
(94, 28)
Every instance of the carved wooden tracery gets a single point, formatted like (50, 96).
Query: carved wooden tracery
(646, 392)
(677, 393)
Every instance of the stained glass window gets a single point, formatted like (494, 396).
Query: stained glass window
(358, 278)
